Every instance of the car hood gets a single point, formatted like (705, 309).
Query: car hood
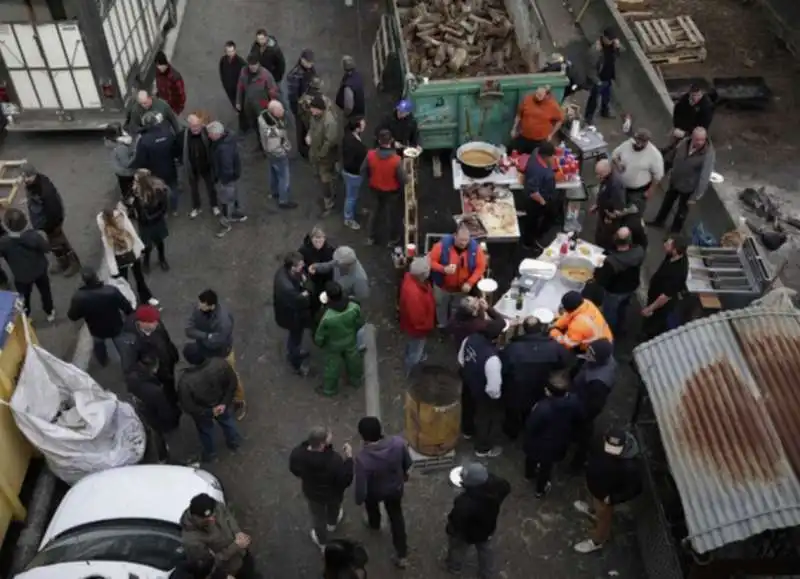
(83, 569)
(154, 492)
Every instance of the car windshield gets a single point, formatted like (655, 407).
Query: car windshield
(145, 542)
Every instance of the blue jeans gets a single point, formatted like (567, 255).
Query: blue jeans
(279, 178)
(415, 353)
(352, 186)
(614, 308)
(100, 350)
(174, 195)
(205, 430)
(601, 91)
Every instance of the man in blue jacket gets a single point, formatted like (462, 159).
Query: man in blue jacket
(227, 166)
(157, 148)
(541, 199)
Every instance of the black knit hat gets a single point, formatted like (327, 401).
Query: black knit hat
(202, 505)
(370, 429)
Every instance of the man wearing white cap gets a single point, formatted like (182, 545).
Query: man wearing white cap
(613, 477)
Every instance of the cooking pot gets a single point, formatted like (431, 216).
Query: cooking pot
(478, 171)
(574, 261)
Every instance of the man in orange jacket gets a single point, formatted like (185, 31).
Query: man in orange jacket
(417, 311)
(457, 263)
(580, 324)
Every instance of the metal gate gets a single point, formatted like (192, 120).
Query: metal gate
(48, 66)
(132, 31)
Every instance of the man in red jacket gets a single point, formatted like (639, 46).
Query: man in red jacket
(417, 311)
(169, 84)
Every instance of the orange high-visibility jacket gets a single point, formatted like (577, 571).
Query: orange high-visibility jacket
(581, 327)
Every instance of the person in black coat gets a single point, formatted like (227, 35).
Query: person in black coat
(292, 304)
(145, 334)
(25, 251)
(528, 360)
(269, 54)
(205, 568)
(345, 559)
(104, 309)
(150, 205)
(46, 210)
(159, 412)
(157, 149)
(692, 110)
(548, 432)
(613, 477)
(325, 475)
(230, 68)
(317, 249)
(473, 518)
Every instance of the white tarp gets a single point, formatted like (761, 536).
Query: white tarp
(79, 427)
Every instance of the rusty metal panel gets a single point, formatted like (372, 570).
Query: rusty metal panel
(724, 391)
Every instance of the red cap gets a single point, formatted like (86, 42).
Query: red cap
(147, 314)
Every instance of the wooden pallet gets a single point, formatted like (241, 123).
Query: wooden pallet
(660, 35)
(679, 57)
(9, 185)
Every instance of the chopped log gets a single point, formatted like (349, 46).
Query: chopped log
(441, 55)
(450, 30)
(458, 60)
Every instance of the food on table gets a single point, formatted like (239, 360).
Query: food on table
(476, 228)
(478, 158)
(577, 274)
(477, 196)
(500, 218)
(585, 250)
(549, 252)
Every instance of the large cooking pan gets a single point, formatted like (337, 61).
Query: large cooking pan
(473, 168)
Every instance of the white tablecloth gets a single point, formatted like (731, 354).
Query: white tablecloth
(508, 179)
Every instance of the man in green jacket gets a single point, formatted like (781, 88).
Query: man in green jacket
(324, 139)
(336, 336)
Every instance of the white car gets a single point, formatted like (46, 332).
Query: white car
(121, 523)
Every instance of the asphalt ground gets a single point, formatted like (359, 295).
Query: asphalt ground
(532, 536)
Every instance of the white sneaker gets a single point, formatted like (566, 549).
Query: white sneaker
(583, 508)
(194, 213)
(51, 317)
(352, 224)
(340, 516)
(491, 453)
(331, 528)
(154, 302)
(587, 546)
(316, 540)
(215, 210)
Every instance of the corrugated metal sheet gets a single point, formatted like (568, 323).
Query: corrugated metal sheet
(726, 393)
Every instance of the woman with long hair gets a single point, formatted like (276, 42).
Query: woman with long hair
(123, 249)
(150, 204)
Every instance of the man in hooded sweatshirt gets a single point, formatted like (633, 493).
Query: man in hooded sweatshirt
(347, 272)
(269, 54)
(592, 385)
(613, 477)
(325, 475)
(548, 432)
(207, 526)
(381, 471)
(473, 519)
(337, 336)
(619, 276)
(46, 211)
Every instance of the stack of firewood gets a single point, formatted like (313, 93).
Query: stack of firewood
(459, 38)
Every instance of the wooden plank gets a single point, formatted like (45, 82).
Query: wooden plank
(644, 36)
(692, 31)
(666, 30)
(680, 57)
(11, 183)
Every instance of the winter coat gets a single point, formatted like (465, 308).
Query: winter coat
(103, 307)
(326, 137)
(225, 160)
(185, 153)
(229, 71)
(157, 411)
(26, 255)
(325, 474)
(271, 57)
(297, 83)
(160, 107)
(404, 130)
(45, 207)
(110, 252)
(292, 308)
(273, 136)
(156, 150)
(201, 388)
(170, 88)
(312, 255)
(213, 331)
(337, 329)
(473, 518)
(417, 307)
(254, 90)
(122, 156)
(381, 469)
(461, 327)
(621, 271)
(135, 344)
(616, 477)
(352, 278)
(687, 116)
(528, 361)
(217, 538)
(548, 430)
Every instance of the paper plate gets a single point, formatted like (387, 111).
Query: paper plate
(716, 178)
(487, 285)
(544, 315)
(455, 476)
